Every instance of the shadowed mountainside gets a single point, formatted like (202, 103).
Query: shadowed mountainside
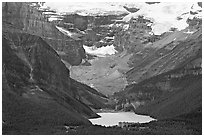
(37, 89)
(171, 94)
(36, 86)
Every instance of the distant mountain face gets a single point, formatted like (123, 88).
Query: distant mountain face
(165, 81)
(166, 15)
(156, 54)
(97, 30)
(157, 60)
(151, 54)
(165, 54)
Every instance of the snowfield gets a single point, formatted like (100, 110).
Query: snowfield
(88, 8)
(165, 15)
(100, 52)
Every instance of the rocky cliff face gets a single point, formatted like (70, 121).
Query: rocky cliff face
(23, 17)
(98, 30)
(135, 37)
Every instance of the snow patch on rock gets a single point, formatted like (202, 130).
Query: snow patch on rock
(189, 32)
(66, 32)
(72, 35)
(88, 8)
(100, 52)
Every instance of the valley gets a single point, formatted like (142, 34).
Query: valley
(106, 74)
(80, 70)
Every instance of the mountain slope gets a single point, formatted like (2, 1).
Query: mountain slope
(88, 95)
(187, 99)
(152, 62)
(36, 84)
(166, 78)
(38, 93)
(167, 95)
(104, 74)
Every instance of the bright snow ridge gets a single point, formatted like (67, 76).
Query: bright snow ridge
(87, 8)
(165, 15)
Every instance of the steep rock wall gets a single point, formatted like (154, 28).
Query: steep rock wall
(22, 17)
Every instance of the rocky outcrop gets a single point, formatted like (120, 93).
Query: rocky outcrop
(135, 37)
(152, 2)
(80, 22)
(22, 17)
(96, 28)
(132, 10)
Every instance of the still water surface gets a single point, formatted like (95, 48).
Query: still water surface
(111, 119)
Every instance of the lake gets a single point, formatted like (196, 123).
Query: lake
(111, 119)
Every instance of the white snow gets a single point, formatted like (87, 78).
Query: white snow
(72, 35)
(164, 15)
(109, 37)
(91, 85)
(111, 25)
(101, 41)
(53, 18)
(82, 14)
(151, 33)
(66, 32)
(100, 52)
(87, 8)
(126, 26)
(189, 32)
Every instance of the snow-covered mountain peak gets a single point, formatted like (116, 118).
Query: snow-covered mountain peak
(164, 15)
(167, 15)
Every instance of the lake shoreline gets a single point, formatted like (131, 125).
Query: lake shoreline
(106, 110)
(114, 117)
